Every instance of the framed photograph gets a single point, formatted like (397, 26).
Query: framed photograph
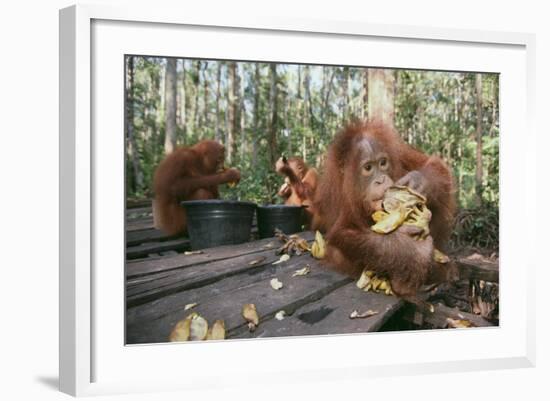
(271, 187)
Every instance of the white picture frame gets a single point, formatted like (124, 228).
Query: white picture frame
(93, 357)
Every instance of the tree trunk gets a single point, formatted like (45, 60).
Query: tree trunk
(205, 98)
(255, 123)
(242, 113)
(307, 97)
(273, 115)
(272, 122)
(218, 135)
(479, 161)
(345, 97)
(196, 88)
(381, 95)
(327, 88)
(131, 145)
(170, 93)
(364, 110)
(287, 128)
(183, 103)
(231, 108)
(236, 104)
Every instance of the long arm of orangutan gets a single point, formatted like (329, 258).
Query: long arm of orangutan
(405, 261)
(285, 190)
(185, 186)
(283, 167)
(430, 176)
(310, 182)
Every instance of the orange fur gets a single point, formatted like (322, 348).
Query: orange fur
(188, 173)
(300, 185)
(342, 215)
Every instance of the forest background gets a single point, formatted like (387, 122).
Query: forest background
(261, 111)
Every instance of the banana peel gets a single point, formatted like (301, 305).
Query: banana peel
(370, 282)
(440, 257)
(391, 221)
(193, 328)
(319, 246)
(402, 205)
(250, 314)
(181, 331)
(217, 331)
(420, 217)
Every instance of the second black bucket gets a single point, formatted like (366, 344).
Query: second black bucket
(288, 219)
(216, 222)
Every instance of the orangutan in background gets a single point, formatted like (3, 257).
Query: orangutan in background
(188, 173)
(300, 183)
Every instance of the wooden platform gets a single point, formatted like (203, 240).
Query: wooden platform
(161, 280)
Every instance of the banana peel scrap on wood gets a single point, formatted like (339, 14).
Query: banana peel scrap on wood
(293, 244)
(250, 314)
(459, 323)
(195, 328)
(319, 246)
(357, 315)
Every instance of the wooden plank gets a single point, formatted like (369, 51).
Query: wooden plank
(139, 224)
(438, 318)
(135, 203)
(330, 315)
(197, 274)
(136, 269)
(140, 251)
(200, 268)
(227, 305)
(139, 211)
(134, 238)
(478, 270)
(154, 310)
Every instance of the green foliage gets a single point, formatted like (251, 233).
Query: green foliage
(477, 228)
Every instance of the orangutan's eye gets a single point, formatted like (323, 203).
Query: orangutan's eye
(367, 168)
(383, 162)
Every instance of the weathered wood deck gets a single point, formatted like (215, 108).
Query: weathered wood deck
(161, 280)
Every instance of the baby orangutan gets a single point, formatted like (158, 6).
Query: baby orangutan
(188, 173)
(300, 183)
(364, 160)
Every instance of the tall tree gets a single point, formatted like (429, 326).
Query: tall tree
(365, 99)
(183, 102)
(479, 144)
(170, 105)
(236, 101)
(131, 139)
(196, 112)
(327, 89)
(218, 135)
(273, 114)
(205, 81)
(381, 94)
(345, 95)
(307, 97)
(256, 114)
(242, 112)
(231, 111)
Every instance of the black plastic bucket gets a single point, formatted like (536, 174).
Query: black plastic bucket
(288, 219)
(216, 222)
